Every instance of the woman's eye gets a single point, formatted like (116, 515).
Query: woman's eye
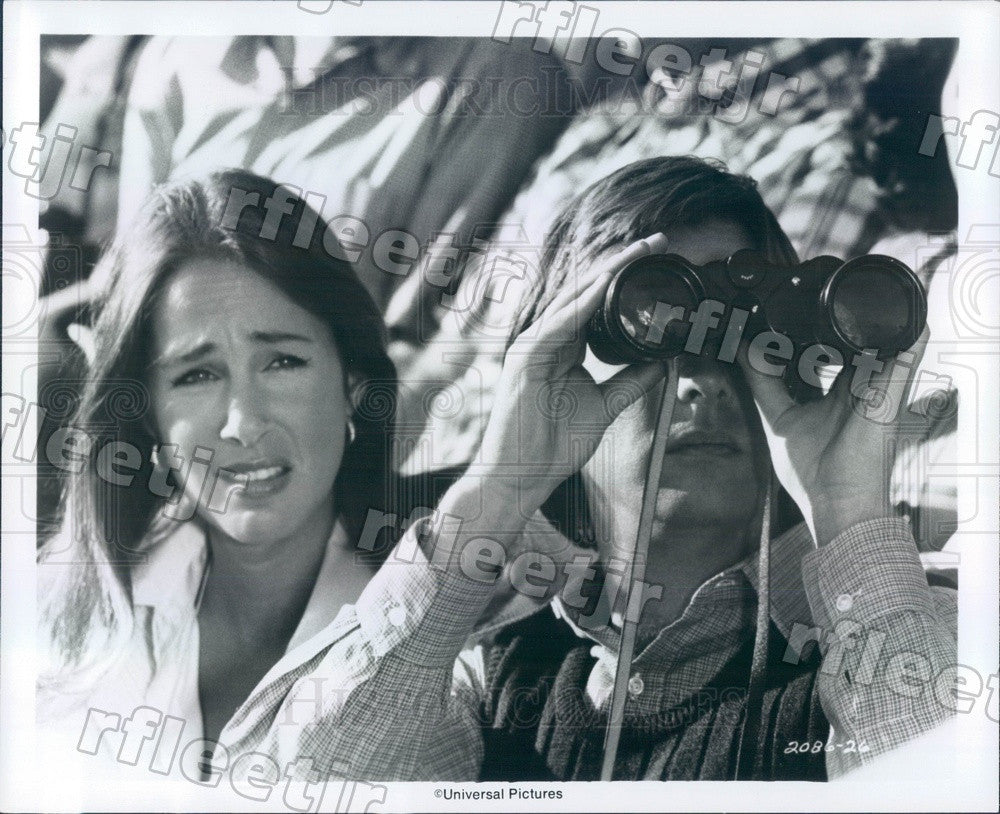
(286, 362)
(197, 376)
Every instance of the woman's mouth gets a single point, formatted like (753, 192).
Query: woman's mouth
(255, 479)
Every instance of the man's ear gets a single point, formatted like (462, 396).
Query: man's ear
(83, 337)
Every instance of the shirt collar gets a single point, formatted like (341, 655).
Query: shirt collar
(727, 598)
(171, 576)
(717, 615)
(171, 573)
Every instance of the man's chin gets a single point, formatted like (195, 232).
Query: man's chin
(697, 508)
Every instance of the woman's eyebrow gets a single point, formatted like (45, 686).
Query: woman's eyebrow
(272, 337)
(205, 348)
(184, 357)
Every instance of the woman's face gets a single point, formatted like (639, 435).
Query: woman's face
(257, 383)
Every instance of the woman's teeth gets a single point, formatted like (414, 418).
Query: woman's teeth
(254, 475)
(259, 482)
(264, 474)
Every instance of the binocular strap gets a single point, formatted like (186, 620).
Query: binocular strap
(633, 607)
(758, 668)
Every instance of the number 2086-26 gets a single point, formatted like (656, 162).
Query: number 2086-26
(812, 747)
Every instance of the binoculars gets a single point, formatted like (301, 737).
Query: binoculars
(871, 303)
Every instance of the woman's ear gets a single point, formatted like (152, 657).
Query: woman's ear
(148, 423)
(355, 391)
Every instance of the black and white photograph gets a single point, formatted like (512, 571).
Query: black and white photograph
(500, 406)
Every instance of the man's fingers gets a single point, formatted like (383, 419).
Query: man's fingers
(607, 267)
(770, 392)
(898, 374)
(840, 388)
(569, 320)
(629, 385)
(565, 318)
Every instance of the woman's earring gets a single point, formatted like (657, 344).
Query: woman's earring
(352, 433)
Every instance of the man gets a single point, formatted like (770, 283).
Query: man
(411, 688)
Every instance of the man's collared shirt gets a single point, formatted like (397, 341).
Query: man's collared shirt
(384, 698)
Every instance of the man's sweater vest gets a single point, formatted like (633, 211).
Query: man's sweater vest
(539, 723)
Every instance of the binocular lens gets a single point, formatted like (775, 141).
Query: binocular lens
(869, 303)
(875, 305)
(653, 305)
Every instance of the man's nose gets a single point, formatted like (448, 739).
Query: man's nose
(703, 381)
(245, 420)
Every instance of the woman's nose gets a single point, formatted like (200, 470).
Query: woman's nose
(245, 422)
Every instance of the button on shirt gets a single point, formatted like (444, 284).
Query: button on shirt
(844, 602)
(636, 685)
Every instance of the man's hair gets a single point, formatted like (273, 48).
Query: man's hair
(641, 199)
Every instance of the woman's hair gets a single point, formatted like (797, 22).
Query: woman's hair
(220, 217)
(639, 200)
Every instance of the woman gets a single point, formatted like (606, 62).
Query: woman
(207, 538)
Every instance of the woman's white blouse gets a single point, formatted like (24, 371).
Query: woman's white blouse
(154, 684)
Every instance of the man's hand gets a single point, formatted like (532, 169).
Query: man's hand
(833, 455)
(550, 414)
